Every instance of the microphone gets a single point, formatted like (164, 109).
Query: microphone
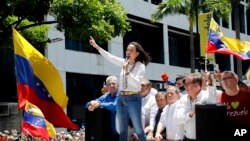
(127, 58)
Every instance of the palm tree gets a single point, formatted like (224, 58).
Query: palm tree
(191, 8)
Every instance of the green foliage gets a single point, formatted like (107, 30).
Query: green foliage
(33, 10)
(19, 13)
(221, 8)
(170, 7)
(103, 19)
(37, 34)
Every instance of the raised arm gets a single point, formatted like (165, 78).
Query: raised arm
(110, 57)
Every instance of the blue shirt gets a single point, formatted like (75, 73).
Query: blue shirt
(109, 101)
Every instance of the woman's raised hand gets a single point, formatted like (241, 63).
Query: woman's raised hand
(93, 43)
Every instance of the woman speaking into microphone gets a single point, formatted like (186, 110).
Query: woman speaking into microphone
(129, 101)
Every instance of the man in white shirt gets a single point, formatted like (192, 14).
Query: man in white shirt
(174, 131)
(149, 106)
(185, 113)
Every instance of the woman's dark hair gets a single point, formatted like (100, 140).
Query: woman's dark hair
(143, 55)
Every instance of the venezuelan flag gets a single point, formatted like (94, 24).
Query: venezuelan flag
(217, 43)
(39, 82)
(35, 124)
(43, 73)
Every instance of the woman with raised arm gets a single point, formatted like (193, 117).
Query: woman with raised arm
(129, 101)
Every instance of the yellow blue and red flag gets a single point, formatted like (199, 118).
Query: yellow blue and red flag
(35, 124)
(217, 43)
(39, 83)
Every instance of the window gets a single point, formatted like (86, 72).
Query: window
(149, 35)
(156, 2)
(241, 18)
(217, 19)
(179, 47)
(223, 60)
(225, 23)
(7, 75)
(81, 46)
(248, 21)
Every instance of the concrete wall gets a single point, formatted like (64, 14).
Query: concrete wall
(12, 120)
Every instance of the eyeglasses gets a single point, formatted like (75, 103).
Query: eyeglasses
(143, 85)
(188, 83)
(226, 78)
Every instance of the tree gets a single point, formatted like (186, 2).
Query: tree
(191, 8)
(20, 13)
(103, 19)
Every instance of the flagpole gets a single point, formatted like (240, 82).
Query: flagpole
(206, 62)
(206, 45)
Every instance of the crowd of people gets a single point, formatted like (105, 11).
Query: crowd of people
(170, 114)
(14, 135)
(138, 110)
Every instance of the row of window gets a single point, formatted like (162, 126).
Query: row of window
(178, 43)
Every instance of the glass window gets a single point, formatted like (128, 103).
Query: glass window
(223, 60)
(248, 21)
(7, 75)
(179, 47)
(217, 19)
(225, 23)
(81, 46)
(149, 35)
(156, 2)
(242, 19)
(232, 20)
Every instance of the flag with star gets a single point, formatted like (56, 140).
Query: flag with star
(218, 43)
(39, 82)
(35, 124)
